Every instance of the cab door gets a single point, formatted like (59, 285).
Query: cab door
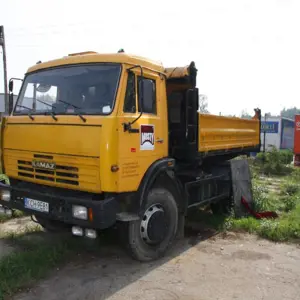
(145, 140)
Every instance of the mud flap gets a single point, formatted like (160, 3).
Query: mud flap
(241, 186)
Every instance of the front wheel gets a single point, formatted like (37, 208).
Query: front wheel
(150, 237)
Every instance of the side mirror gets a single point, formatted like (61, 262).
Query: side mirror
(10, 103)
(11, 94)
(11, 85)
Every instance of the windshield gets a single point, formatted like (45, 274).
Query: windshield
(82, 89)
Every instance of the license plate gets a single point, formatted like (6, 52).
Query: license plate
(36, 205)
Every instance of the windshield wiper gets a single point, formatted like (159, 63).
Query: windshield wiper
(75, 107)
(52, 114)
(30, 110)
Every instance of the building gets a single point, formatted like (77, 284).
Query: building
(2, 102)
(279, 133)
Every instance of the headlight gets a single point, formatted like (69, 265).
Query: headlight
(5, 195)
(79, 212)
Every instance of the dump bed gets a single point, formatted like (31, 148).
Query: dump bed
(218, 134)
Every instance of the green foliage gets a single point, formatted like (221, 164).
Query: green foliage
(286, 156)
(16, 214)
(203, 105)
(290, 188)
(287, 228)
(296, 174)
(275, 161)
(250, 224)
(36, 259)
(260, 157)
(260, 197)
(289, 202)
(286, 202)
(19, 268)
(245, 115)
(290, 197)
(290, 112)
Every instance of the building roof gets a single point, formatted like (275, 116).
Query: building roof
(275, 118)
(287, 119)
(94, 57)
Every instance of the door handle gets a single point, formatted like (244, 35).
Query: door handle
(160, 141)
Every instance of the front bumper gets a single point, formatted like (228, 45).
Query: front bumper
(60, 205)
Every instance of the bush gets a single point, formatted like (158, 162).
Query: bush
(260, 157)
(260, 197)
(296, 174)
(290, 189)
(286, 156)
(274, 162)
(289, 202)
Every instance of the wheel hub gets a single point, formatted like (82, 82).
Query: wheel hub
(153, 225)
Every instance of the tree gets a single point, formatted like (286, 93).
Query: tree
(245, 115)
(203, 104)
(290, 112)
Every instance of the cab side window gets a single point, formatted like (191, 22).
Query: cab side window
(130, 97)
(149, 101)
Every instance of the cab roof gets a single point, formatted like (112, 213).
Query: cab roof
(94, 57)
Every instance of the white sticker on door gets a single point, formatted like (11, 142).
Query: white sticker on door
(147, 137)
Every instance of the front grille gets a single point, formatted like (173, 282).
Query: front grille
(69, 171)
(61, 174)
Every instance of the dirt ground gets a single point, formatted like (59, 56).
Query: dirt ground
(232, 267)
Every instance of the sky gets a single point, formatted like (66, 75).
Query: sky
(247, 52)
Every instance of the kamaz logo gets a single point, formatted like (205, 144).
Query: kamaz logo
(43, 165)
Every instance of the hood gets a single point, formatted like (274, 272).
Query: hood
(63, 153)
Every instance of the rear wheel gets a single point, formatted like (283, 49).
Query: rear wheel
(51, 225)
(150, 237)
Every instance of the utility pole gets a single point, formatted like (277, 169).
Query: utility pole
(2, 44)
(265, 133)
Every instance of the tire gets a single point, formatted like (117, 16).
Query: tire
(52, 226)
(132, 232)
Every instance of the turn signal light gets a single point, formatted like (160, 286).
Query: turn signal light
(91, 217)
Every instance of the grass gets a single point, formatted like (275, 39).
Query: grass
(35, 258)
(20, 268)
(37, 254)
(285, 201)
(284, 229)
(16, 214)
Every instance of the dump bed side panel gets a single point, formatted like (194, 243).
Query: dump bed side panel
(217, 133)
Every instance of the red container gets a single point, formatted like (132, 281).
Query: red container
(297, 141)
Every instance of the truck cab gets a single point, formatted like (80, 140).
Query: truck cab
(75, 112)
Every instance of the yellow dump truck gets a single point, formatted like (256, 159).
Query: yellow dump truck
(97, 140)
